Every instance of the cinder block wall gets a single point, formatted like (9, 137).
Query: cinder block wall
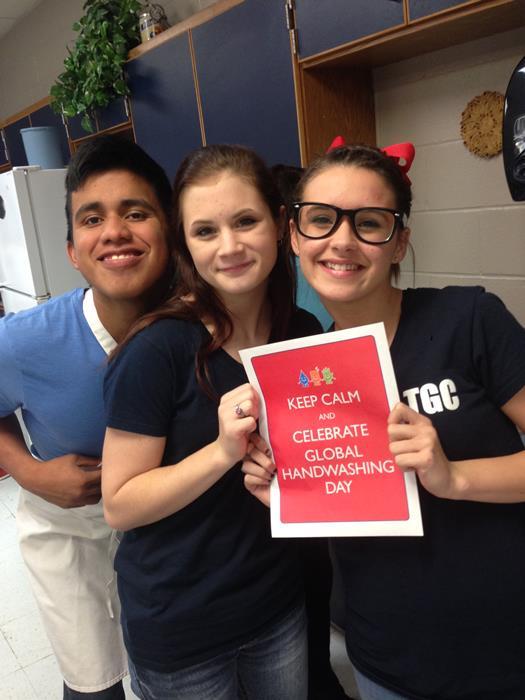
(465, 227)
(32, 54)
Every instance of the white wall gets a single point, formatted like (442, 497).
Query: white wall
(32, 53)
(465, 227)
(177, 10)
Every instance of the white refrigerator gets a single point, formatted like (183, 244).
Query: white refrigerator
(33, 262)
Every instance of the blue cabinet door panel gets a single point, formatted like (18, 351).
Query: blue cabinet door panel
(46, 117)
(163, 103)
(75, 128)
(245, 77)
(325, 24)
(112, 115)
(422, 8)
(15, 145)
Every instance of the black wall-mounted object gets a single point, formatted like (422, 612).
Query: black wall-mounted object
(514, 133)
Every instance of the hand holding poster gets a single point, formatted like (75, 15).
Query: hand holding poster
(324, 409)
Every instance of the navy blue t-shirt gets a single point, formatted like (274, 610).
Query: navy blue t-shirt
(209, 577)
(442, 616)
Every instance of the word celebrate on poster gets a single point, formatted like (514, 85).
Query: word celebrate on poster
(325, 404)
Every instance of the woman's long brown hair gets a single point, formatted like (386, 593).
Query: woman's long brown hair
(193, 298)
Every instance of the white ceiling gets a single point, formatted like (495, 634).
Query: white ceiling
(13, 10)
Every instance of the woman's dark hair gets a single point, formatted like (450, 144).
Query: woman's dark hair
(287, 177)
(194, 299)
(370, 158)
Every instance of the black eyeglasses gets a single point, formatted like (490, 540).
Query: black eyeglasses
(374, 225)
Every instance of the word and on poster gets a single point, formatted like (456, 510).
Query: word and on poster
(324, 409)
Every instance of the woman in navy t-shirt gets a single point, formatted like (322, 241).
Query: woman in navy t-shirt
(211, 605)
(438, 617)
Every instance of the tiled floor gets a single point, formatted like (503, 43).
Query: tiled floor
(28, 670)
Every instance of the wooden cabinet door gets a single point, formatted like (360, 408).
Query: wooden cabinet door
(325, 24)
(13, 139)
(46, 117)
(163, 102)
(244, 72)
(422, 8)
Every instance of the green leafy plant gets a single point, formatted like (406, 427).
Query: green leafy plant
(94, 67)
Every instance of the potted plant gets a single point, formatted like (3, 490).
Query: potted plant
(94, 67)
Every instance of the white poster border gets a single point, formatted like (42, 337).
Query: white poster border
(412, 526)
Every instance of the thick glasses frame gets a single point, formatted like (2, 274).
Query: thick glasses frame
(351, 214)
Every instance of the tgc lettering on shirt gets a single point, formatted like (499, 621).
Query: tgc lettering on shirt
(432, 398)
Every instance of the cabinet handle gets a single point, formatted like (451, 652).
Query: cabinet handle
(289, 8)
(290, 16)
(6, 150)
(66, 125)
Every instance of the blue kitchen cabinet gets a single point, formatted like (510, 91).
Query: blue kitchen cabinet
(13, 139)
(163, 102)
(325, 25)
(112, 115)
(244, 72)
(105, 118)
(76, 131)
(46, 117)
(422, 8)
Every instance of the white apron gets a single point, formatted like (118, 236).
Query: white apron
(69, 554)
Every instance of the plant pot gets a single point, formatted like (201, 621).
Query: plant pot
(42, 146)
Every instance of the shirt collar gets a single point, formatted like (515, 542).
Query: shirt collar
(101, 334)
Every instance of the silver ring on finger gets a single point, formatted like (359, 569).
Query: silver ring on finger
(238, 411)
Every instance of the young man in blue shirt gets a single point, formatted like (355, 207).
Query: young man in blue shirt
(53, 359)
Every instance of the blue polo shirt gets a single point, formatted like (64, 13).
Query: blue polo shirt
(52, 368)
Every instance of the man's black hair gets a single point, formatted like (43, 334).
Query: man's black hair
(106, 153)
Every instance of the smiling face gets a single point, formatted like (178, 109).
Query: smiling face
(341, 268)
(230, 234)
(119, 236)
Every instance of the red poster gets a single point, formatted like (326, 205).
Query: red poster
(326, 401)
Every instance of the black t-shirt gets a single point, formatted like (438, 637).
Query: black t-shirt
(209, 577)
(443, 616)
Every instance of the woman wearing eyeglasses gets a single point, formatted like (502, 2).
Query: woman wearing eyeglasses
(441, 616)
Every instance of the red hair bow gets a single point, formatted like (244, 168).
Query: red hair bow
(336, 143)
(402, 153)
